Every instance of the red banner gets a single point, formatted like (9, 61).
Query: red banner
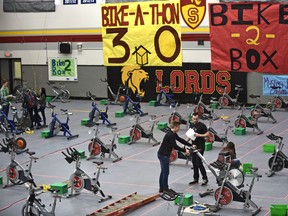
(249, 37)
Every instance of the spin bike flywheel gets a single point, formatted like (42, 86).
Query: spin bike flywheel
(94, 116)
(12, 173)
(223, 102)
(135, 134)
(161, 98)
(77, 181)
(21, 143)
(94, 148)
(255, 114)
(240, 122)
(199, 110)
(174, 118)
(236, 177)
(211, 137)
(31, 210)
(226, 195)
(279, 164)
(173, 156)
(55, 127)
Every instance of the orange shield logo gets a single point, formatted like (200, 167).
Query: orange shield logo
(193, 12)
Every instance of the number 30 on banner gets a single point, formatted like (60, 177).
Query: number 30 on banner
(163, 47)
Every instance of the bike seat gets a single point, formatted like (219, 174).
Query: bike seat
(64, 110)
(98, 162)
(30, 153)
(275, 87)
(254, 96)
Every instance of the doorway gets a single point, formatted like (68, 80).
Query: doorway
(11, 70)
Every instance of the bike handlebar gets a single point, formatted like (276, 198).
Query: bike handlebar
(274, 137)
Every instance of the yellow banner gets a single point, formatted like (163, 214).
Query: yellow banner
(142, 33)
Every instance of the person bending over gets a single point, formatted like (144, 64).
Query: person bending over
(230, 147)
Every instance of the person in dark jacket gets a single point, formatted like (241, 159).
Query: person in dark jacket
(198, 143)
(164, 152)
(42, 104)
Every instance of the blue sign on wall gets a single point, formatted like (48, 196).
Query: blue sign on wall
(281, 81)
(70, 2)
(88, 1)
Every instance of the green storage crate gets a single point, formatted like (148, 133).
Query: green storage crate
(62, 187)
(188, 200)
(208, 146)
(45, 133)
(85, 121)
(162, 125)
(278, 210)
(119, 114)
(246, 168)
(1, 180)
(123, 139)
(214, 105)
(82, 154)
(152, 103)
(269, 148)
(49, 99)
(103, 102)
(240, 131)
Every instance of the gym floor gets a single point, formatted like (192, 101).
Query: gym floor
(139, 169)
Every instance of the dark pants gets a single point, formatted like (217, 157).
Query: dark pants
(163, 179)
(33, 113)
(42, 111)
(5, 109)
(198, 165)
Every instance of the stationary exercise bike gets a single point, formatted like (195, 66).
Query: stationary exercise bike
(34, 206)
(176, 116)
(213, 134)
(243, 122)
(22, 122)
(202, 109)
(226, 99)
(175, 154)
(80, 179)
(164, 97)
(279, 160)
(60, 91)
(130, 107)
(259, 111)
(8, 124)
(137, 132)
(95, 114)
(277, 101)
(56, 125)
(230, 190)
(15, 172)
(118, 98)
(96, 146)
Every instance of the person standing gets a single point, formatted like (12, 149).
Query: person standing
(42, 105)
(164, 152)
(4, 95)
(30, 102)
(201, 133)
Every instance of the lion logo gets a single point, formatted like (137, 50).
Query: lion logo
(132, 77)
